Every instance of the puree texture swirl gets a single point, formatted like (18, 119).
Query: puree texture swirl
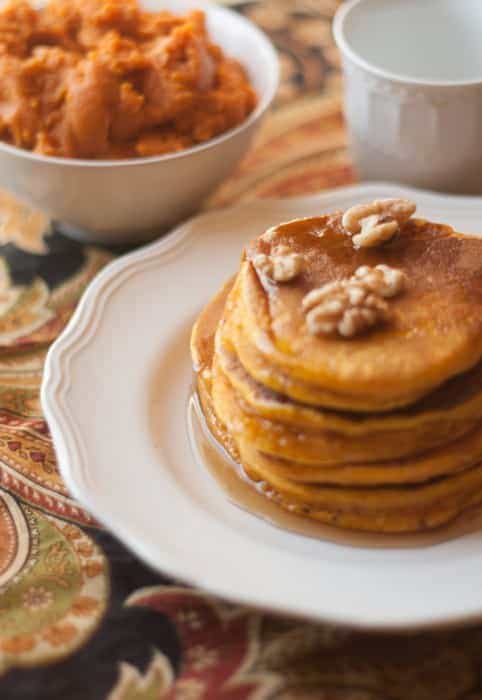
(106, 79)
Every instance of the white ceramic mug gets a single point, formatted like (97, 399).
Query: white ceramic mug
(413, 86)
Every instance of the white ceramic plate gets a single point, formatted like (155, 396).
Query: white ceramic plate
(132, 327)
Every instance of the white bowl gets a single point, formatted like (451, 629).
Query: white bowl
(133, 200)
(413, 78)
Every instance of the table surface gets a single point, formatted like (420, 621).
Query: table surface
(80, 617)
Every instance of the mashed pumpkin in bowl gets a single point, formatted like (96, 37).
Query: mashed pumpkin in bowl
(103, 79)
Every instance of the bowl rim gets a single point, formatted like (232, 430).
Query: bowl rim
(339, 34)
(265, 101)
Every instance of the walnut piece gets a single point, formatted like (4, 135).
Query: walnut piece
(270, 234)
(280, 266)
(382, 279)
(346, 307)
(350, 307)
(373, 224)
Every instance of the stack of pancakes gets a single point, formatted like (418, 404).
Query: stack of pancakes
(379, 432)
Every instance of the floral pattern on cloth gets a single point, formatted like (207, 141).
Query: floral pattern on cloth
(54, 579)
(53, 586)
(80, 617)
(32, 314)
(232, 653)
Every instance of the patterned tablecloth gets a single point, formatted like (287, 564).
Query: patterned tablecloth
(80, 617)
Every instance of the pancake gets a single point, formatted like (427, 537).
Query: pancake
(443, 493)
(314, 447)
(378, 522)
(400, 510)
(349, 508)
(434, 333)
(279, 380)
(205, 327)
(459, 401)
(425, 511)
(203, 350)
(456, 457)
(454, 406)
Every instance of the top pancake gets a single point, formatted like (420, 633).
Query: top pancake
(435, 327)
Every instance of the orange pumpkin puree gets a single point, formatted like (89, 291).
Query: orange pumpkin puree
(105, 79)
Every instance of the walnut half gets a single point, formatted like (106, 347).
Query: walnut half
(346, 307)
(350, 307)
(382, 279)
(372, 224)
(281, 266)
